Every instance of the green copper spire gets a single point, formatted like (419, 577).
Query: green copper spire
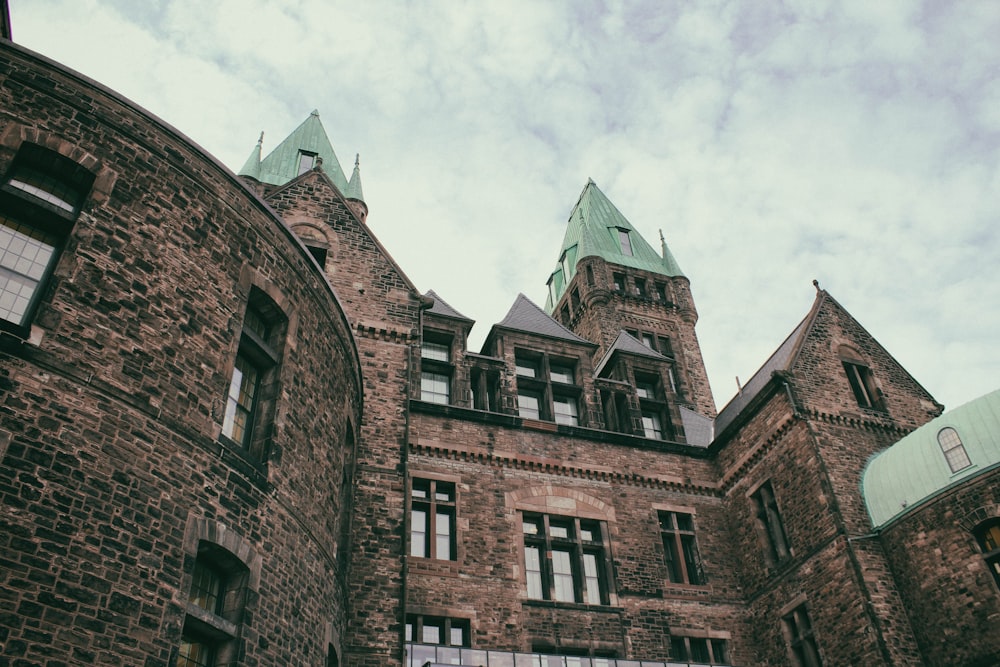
(251, 167)
(354, 187)
(306, 147)
(597, 228)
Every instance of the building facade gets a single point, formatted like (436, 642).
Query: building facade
(233, 432)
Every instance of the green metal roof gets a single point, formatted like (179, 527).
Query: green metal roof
(914, 470)
(251, 167)
(282, 164)
(354, 187)
(593, 230)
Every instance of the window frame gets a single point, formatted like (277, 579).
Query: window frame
(216, 628)
(625, 242)
(682, 557)
(436, 366)
(433, 504)
(987, 536)
(800, 637)
(415, 624)
(954, 452)
(862, 383)
(41, 195)
(770, 525)
(716, 649)
(260, 347)
(585, 571)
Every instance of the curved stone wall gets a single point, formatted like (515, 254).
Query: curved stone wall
(117, 478)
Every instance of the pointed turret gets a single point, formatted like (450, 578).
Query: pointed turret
(354, 186)
(597, 228)
(307, 147)
(251, 168)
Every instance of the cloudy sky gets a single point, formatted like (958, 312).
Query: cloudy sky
(773, 142)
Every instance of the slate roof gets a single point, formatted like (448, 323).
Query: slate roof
(699, 430)
(524, 315)
(281, 165)
(625, 342)
(914, 471)
(779, 361)
(592, 230)
(442, 308)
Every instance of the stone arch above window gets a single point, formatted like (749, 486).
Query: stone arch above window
(953, 449)
(319, 240)
(200, 530)
(549, 499)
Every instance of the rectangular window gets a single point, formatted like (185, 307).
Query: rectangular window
(432, 519)
(253, 385)
(440, 631)
(218, 591)
(640, 288)
(625, 241)
(652, 425)
(307, 161)
(566, 411)
(680, 548)
(435, 351)
(619, 281)
(40, 199)
(563, 373)
(701, 650)
(801, 640)
(528, 368)
(528, 405)
(769, 525)
(647, 340)
(863, 385)
(435, 388)
(661, 292)
(565, 559)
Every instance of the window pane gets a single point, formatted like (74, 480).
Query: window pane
(435, 351)
(559, 373)
(241, 400)
(651, 426)
(591, 579)
(527, 367)
(25, 254)
(435, 388)
(625, 241)
(194, 653)
(418, 533)
(431, 633)
(562, 575)
(565, 410)
(527, 406)
(442, 531)
(206, 587)
(533, 572)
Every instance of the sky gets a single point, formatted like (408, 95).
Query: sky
(774, 143)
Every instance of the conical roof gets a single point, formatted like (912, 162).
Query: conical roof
(354, 186)
(595, 229)
(282, 164)
(251, 167)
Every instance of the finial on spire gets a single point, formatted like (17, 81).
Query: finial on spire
(816, 285)
(357, 160)
(260, 142)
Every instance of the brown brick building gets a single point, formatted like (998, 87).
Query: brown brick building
(233, 432)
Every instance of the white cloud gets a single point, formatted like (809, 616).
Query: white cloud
(853, 142)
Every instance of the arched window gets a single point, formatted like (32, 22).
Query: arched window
(988, 537)
(953, 449)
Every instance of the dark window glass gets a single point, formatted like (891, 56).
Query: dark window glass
(575, 569)
(769, 524)
(432, 519)
(680, 548)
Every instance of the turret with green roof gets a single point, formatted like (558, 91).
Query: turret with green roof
(609, 278)
(308, 146)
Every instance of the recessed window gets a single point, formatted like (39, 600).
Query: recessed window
(528, 368)
(640, 288)
(565, 410)
(565, 559)
(439, 631)
(769, 525)
(862, 382)
(561, 373)
(652, 425)
(529, 404)
(988, 538)
(801, 639)
(619, 281)
(253, 386)
(432, 519)
(435, 368)
(625, 241)
(953, 449)
(218, 589)
(565, 268)
(41, 197)
(661, 292)
(680, 548)
(701, 650)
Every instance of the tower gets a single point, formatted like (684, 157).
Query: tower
(609, 279)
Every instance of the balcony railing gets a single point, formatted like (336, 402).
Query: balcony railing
(420, 655)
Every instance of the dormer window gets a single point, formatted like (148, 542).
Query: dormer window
(625, 241)
(307, 161)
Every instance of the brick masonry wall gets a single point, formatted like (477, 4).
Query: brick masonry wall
(940, 573)
(112, 413)
(384, 310)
